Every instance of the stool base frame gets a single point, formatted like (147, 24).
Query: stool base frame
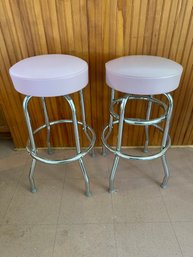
(31, 146)
(120, 119)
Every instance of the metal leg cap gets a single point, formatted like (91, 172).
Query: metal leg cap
(112, 190)
(104, 153)
(34, 190)
(88, 194)
(92, 153)
(145, 150)
(164, 186)
(50, 151)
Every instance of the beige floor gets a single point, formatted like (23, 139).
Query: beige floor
(140, 220)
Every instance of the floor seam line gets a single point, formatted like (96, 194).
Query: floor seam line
(15, 191)
(54, 243)
(172, 224)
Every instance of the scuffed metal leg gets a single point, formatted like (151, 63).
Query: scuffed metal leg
(32, 142)
(164, 141)
(147, 127)
(118, 147)
(31, 178)
(84, 121)
(112, 175)
(47, 125)
(104, 151)
(78, 150)
(166, 172)
(85, 176)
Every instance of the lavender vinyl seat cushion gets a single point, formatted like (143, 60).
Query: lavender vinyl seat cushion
(143, 75)
(49, 75)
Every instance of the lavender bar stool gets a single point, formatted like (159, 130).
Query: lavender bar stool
(139, 78)
(50, 76)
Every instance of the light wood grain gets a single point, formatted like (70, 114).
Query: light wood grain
(96, 31)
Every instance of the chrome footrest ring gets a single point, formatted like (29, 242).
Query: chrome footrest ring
(131, 157)
(75, 158)
(135, 121)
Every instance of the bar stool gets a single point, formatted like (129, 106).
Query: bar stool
(51, 76)
(139, 78)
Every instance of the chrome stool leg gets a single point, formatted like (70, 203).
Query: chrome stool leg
(84, 120)
(47, 124)
(32, 142)
(78, 150)
(166, 172)
(164, 141)
(147, 127)
(86, 178)
(104, 150)
(118, 147)
(112, 175)
(31, 177)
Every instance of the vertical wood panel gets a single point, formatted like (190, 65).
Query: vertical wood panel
(96, 31)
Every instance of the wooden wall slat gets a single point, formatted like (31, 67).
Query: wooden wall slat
(96, 31)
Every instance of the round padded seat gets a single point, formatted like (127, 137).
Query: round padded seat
(49, 75)
(143, 75)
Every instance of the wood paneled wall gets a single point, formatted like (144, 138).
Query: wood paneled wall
(4, 128)
(97, 31)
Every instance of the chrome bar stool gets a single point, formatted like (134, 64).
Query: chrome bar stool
(140, 78)
(51, 76)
